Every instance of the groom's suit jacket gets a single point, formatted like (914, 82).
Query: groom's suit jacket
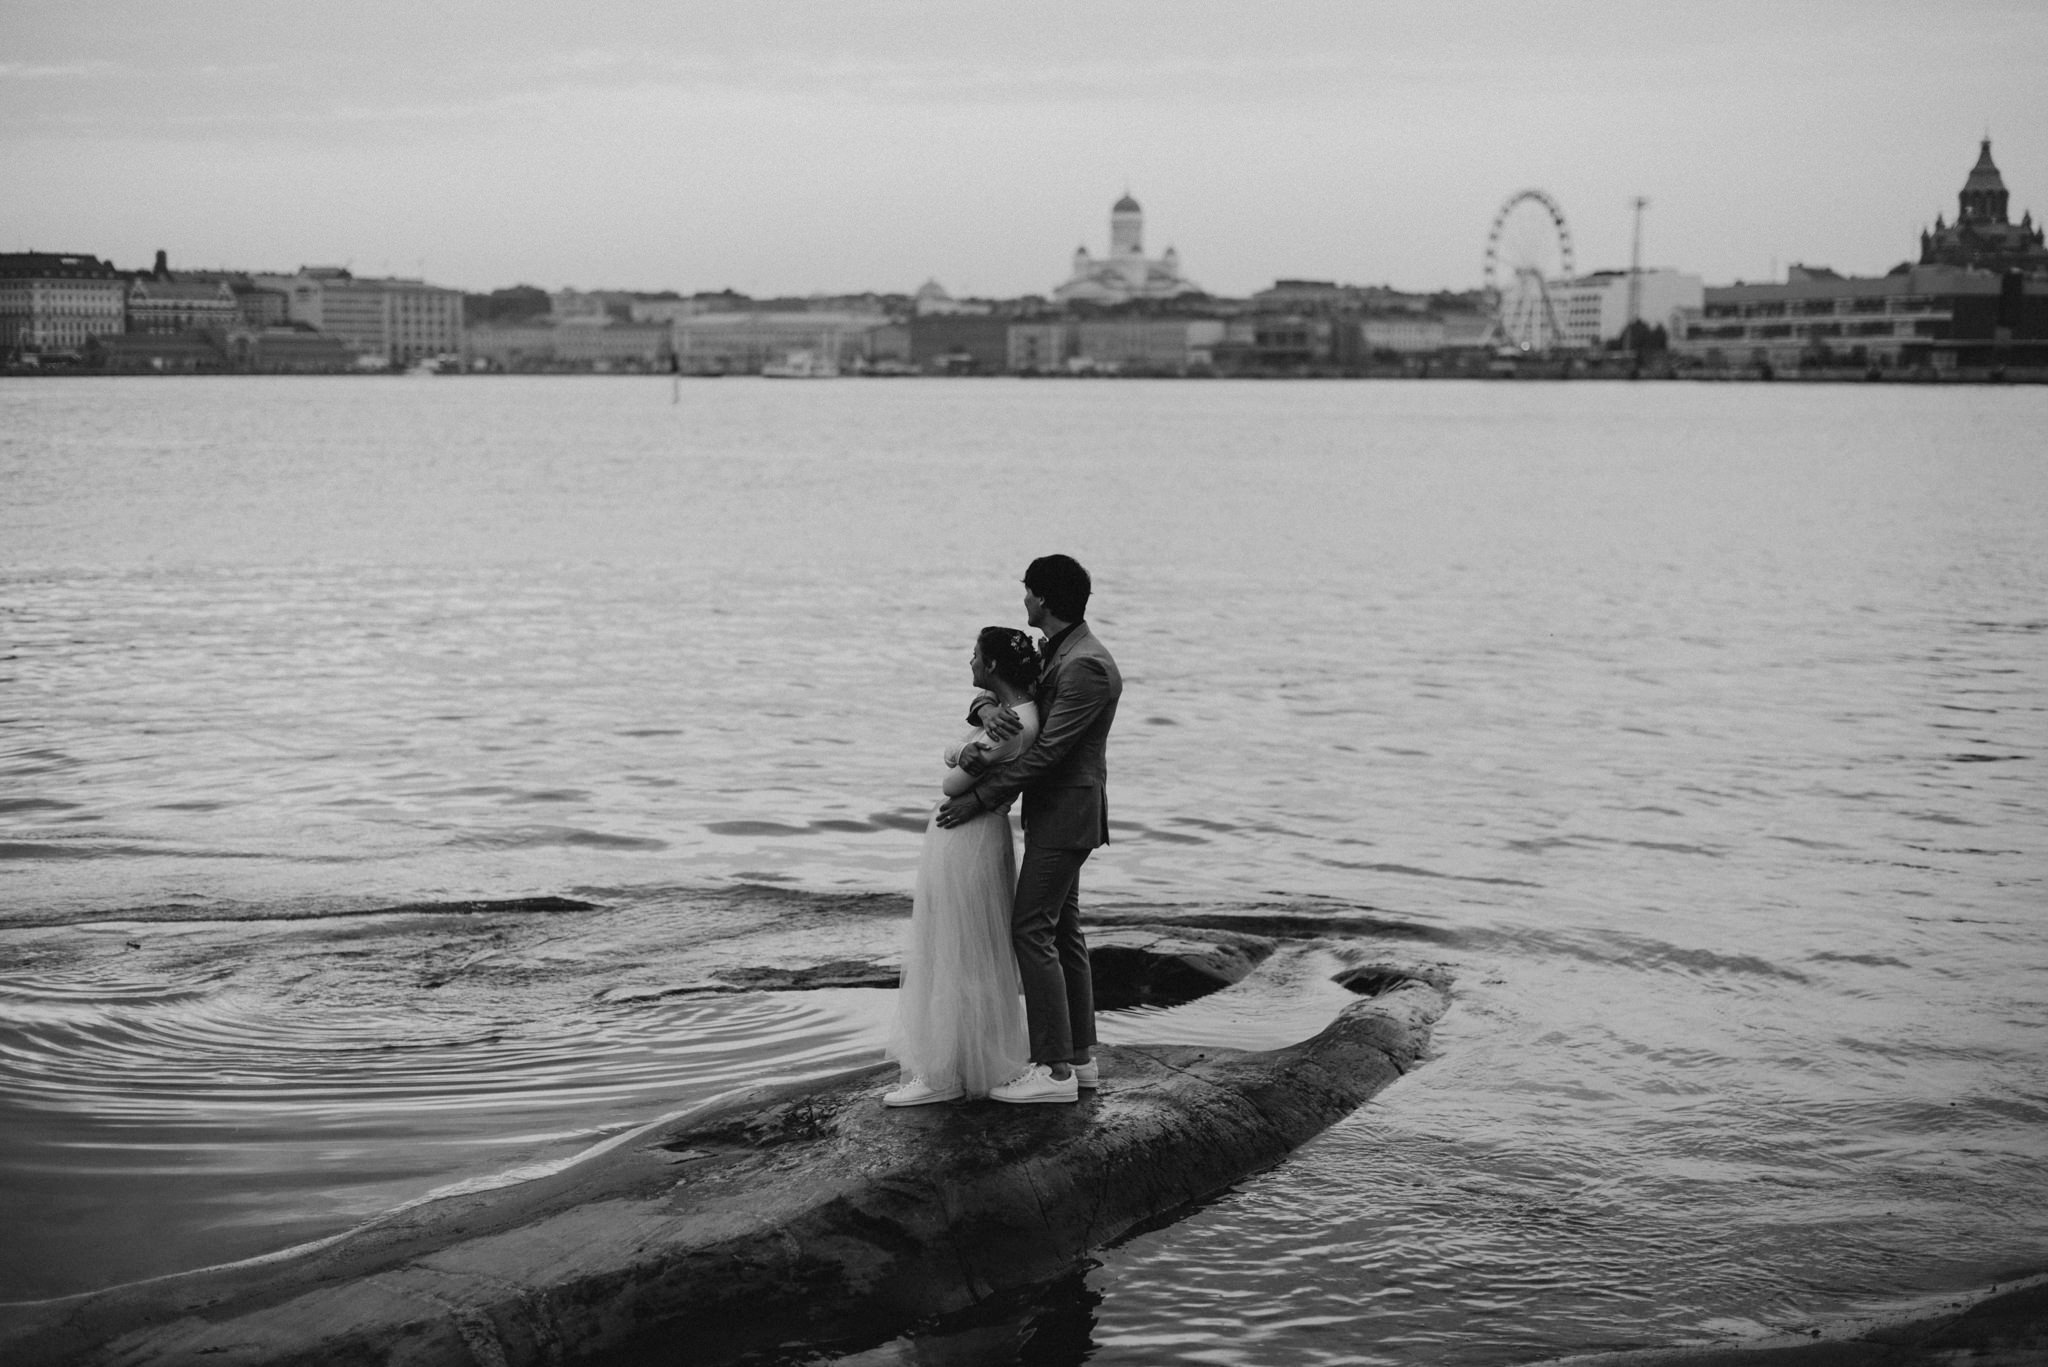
(1063, 775)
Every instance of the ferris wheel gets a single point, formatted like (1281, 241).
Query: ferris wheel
(1528, 251)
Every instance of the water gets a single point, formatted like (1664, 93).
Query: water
(1697, 729)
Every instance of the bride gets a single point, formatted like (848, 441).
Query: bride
(959, 1026)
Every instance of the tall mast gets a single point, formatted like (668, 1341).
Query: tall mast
(1635, 273)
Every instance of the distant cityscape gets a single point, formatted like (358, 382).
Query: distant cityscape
(1973, 305)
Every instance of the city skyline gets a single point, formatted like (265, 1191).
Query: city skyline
(872, 146)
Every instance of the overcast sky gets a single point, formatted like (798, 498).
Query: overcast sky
(862, 144)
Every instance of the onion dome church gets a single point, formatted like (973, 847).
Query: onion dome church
(1126, 273)
(1983, 235)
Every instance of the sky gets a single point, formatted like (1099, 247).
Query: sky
(778, 147)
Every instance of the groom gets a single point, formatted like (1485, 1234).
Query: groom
(1065, 816)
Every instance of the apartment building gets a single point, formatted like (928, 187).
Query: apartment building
(58, 301)
(161, 307)
(396, 320)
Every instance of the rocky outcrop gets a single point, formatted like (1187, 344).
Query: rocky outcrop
(1157, 965)
(806, 1212)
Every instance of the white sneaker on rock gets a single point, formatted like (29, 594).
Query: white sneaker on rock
(1036, 1085)
(918, 1092)
(1088, 1076)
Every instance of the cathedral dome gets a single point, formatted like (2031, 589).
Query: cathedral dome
(1126, 205)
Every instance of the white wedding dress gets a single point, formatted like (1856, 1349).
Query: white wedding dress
(960, 1010)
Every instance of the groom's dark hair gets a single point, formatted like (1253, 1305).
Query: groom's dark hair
(1061, 584)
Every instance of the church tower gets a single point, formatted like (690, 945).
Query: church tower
(1983, 195)
(1126, 228)
(1984, 237)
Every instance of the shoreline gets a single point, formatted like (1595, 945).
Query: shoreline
(1548, 375)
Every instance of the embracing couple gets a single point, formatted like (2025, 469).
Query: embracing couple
(983, 928)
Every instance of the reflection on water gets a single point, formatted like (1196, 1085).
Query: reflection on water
(1696, 729)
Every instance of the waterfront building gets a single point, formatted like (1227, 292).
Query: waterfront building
(741, 343)
(158, 305)
(58, 301)
(581, 341)
(239, 348)
(282, 350)
(302, 294)
(1147, 346)
(1295, 341)
(396, 320)
(960, 343)
(1938, 318)
(356, 312)
(1040, 346)
(1594, 309)
(890, 344)
(1983, 235)
(604, 344)
(160, 353)
(259, 307)
(1126, 273)
(528, 345)
(421, 321)
(1412, 334)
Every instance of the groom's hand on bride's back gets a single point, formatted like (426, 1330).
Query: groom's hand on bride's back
(955, 810)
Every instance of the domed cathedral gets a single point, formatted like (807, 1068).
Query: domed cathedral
(1126, 273)
(1983, 235)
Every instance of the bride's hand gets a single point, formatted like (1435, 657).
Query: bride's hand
(955, 810)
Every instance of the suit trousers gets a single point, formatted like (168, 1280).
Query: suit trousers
(1052, 954)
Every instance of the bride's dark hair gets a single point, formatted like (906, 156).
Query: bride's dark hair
(1010, 654)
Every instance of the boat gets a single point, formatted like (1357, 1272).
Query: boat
(801, 365)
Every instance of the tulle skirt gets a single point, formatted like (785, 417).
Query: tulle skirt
(960, 1011)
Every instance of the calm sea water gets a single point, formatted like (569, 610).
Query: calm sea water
(1699, 730)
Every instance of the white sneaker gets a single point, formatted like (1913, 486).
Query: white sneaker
(918, 1092)
(1088, 1076)
(1036, 1085)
